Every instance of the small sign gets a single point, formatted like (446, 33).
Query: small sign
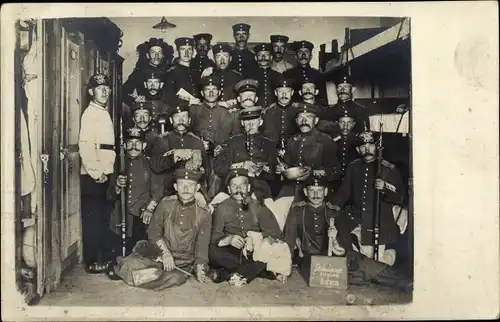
(328, 272)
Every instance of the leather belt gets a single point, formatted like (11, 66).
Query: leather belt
(106, 147)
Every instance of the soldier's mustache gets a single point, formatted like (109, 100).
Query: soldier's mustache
(305, 125)
(284, 97)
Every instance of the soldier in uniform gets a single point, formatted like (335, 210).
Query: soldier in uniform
(347, 139)
(143, 188)
(313, 151)
(279, 122)
(243, 60)
(142, 120)
(213, 124)
(345, 90)
(247, 97)
(156, 51)
(356, 198)
(251, 151)
(267, 77)
(228, 77)
(182, 75)
(303, 51)
(278, 43)
(232, 219)
(312, 221)
(154, 82)
(96, 145)
(178, 148)
(178, 238)
(202, 45)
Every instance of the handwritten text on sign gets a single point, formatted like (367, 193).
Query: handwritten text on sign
(329, 272)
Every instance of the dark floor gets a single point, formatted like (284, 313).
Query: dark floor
(81, 289)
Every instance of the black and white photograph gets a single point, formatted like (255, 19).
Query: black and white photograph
(213, 161)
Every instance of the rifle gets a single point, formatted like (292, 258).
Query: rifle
(123, 201)
(376, 222)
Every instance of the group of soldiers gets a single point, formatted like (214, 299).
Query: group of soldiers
(218, 149)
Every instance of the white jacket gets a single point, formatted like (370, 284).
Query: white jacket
(96, 128)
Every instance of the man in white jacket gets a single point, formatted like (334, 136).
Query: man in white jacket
(97, 150)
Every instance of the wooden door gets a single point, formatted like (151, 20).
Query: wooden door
(71, 105)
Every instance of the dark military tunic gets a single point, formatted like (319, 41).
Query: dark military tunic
(228, 79)
(200, 63)
(327, 121)
(310, 225)
(230, 219)
(243, 61)
(165, 164)
(143, 186)
(158, 106)
(185, 229)
(214, 124)
(362, 116)
(180, 76)
(308, 72)
(136, 82)
(358, 187)
(346, 150)
(268, 80)
(256, 148)
(150, 134)
(279, 123)
(314, 149)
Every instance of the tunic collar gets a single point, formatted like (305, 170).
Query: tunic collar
(317, 210)
(187, 204)
(100, 107)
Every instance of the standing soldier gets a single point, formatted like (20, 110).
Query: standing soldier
(213, 124)
(156, 51)
(312, 152)
(247, 97)
(278, 43)
(279, 122)
(267, 78)
(252, 151)
(359, 187)
(228, 78)
(142, 120)
(303, 51)
(97, 150)
(144, 190)
(243, 60)
(347, 139)
(202, 61)
(178, 148)
(182, 76)
(345, 90)
(153, 82)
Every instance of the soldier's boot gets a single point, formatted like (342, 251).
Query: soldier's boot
(391, 278)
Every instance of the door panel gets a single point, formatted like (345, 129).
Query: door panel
(70, 159)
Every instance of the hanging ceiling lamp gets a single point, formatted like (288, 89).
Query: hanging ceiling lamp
(163, 25)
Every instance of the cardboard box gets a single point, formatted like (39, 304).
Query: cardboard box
(326, 272)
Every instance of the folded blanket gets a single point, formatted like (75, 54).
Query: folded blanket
(275, 253)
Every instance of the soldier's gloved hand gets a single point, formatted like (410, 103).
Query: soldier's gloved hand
(231, 102)
(207, 72)
(206, 145)
(168, 261)
(140, 99)
(102, 179)
(379, 184)
(280, 167)
(319, 173)
(146, 216)
(332, 232)
(121, 181)
(237, 241)
(217, 150)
